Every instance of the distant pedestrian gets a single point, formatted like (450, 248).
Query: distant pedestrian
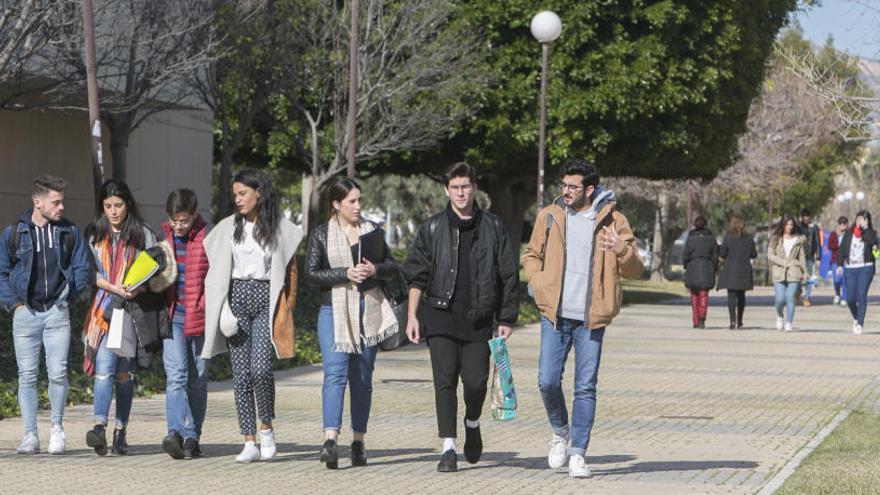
(347, 272)
(44, 264)
(737, 252)
(788, 262)
(834, 239)
(812, 233)
(250, 293)
(855, 258)
(700, 261)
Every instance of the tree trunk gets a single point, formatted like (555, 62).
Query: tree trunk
(511, 197)
(308, 187)
(224, 183)
(657, 261)
(119, 152)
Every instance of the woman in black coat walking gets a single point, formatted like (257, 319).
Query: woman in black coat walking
(700, 259)
(855, 259)
(737, 252)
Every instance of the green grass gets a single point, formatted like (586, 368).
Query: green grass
(848, 461)
(649, 291)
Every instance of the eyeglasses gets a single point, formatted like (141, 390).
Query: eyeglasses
(570, 187)
(181, 223)
(462, 188)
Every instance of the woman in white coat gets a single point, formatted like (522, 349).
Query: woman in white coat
(250, 293)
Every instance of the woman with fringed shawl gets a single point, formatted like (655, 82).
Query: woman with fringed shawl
(355, 314)
(115, 238)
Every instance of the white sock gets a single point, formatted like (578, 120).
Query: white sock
(448, 444)
(472, 424)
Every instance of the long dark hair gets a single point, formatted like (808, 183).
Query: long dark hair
(268, 212)
(779, 231)
(864, 214)
(337, 191)
(132, 232)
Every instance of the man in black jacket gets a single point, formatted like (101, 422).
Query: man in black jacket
(464, 266)
(812, 248)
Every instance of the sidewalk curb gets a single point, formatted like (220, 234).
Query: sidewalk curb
(791, 466)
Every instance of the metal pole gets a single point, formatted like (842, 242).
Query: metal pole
(545, 57)
(352, 88)
(92, 90)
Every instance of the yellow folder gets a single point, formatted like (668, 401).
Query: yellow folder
(142, 268)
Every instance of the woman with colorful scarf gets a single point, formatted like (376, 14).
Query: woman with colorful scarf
(115, 238)
(855, 259)
(355, 314)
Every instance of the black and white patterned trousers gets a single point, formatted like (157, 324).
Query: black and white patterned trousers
(251, 354)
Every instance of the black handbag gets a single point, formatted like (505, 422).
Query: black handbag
(399, 306)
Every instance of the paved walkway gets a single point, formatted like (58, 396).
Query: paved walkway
(680, 411)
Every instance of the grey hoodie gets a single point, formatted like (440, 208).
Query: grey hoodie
(579, 233)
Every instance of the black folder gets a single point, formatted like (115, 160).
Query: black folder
(372, 246)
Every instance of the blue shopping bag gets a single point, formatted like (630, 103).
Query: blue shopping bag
(503, 391)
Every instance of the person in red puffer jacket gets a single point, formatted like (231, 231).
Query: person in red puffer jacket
(186, 390)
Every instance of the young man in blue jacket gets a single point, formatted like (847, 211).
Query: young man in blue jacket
(44, 264)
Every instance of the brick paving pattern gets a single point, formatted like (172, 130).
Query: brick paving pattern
(679, 411)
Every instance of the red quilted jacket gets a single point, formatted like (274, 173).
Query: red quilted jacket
(195, 269)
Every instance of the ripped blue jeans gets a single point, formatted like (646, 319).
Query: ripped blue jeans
(109, 368)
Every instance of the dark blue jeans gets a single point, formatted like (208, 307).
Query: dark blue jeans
(555, 346)
(858, 281)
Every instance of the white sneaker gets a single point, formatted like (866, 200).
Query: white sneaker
(836, 300)
(780, 321)
(267, 444)
(857, 329)
(788, 327)
(249, 453)
(56, 440)
(577, 467)
(843, 302)
(30, 444)
(558, 451)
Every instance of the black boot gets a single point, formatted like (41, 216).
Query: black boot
(358, 453)
(97, 439)
(330, 454)
(732, 325)
(191, 448)
(473, 444)
(172, 445)
(448, 463)
(120, 446)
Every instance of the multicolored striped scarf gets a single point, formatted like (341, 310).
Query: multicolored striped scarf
(114, 261)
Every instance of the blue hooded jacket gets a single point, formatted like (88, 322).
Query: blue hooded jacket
(19, 269)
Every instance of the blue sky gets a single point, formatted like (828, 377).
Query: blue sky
(848, 22)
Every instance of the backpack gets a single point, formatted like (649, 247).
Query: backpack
(14, 241)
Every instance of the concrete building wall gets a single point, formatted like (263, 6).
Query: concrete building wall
(170, 150)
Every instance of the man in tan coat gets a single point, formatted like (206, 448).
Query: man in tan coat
(579, 249)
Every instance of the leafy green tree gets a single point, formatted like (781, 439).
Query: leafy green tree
(656, 89)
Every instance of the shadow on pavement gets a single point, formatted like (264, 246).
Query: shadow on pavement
(653, 467)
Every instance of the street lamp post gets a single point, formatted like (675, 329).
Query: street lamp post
(859, 197)
(546, 27)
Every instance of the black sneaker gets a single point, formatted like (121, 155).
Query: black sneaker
(473, 444)
(97, 439)
(330, 454)
(448, 463)
(191, 448)
(120, 446)
(172, 444)
(358, 454)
